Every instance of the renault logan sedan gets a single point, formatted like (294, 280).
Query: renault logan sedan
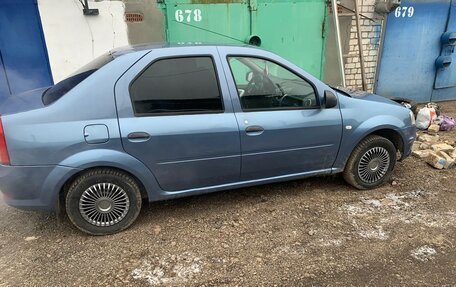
(152, 123)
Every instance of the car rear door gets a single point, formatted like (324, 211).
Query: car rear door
(284, 131)
(175, 115)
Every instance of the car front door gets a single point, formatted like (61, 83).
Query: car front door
(175, 115)
(284, 130)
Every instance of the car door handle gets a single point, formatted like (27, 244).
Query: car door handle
(254, 130)
(138, 137)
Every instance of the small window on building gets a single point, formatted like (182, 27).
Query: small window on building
(177, 85)
(131, 17)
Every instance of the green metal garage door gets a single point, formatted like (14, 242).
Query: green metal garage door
(293, 29)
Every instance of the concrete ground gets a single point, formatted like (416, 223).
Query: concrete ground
(317, 231)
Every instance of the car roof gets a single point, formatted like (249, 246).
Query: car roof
(153, 46)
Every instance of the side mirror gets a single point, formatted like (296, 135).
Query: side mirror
(330, 100)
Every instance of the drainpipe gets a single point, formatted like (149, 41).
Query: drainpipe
(360, 45)
(380, 52)
(253, 20)
(338, 42)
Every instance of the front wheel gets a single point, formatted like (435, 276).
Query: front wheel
(371, 163)
(103, 201)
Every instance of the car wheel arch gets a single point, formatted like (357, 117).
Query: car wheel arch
(106, 158)
(393, 136)
(376, 150)
(64, 188)
(389, 132)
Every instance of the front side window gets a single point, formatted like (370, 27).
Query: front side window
(177, 85)
(264, 85)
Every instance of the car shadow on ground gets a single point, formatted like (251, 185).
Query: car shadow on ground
(212, 203)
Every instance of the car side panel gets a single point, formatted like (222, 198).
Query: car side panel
(359, 120)
(49, 135)
(116, 159)
(293, 141)
(33, 187)
(37, 187)
(184, 151)
(47, 146)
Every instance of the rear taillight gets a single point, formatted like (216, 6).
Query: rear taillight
(4, 156)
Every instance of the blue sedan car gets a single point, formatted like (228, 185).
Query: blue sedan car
(150, 123)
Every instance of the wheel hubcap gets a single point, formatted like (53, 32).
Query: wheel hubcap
(104, 204)
(373, 165)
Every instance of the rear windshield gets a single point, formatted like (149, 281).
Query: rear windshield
(61, 88)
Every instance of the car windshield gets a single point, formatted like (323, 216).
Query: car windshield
(61, 88)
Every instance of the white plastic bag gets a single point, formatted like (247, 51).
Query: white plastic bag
(425, 118)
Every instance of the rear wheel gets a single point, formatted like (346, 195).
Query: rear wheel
(103, 201)
(371, 163)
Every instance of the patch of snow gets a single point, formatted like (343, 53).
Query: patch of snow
(330, 242)
(174, 269)
(377, 233)
(404, 206)
(423, 253)
(396, 201)
(440, 220)
(30, 238)
(353, 209)
(373, 202)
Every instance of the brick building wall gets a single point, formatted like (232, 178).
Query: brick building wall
(371, 30)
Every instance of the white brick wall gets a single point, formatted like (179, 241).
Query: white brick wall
(370, 34)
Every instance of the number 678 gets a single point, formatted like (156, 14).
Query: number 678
(188, 15)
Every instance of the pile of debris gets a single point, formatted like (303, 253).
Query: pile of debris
(440, 155)
(429, 118)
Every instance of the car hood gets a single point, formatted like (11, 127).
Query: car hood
(22, 102)
(366, 96)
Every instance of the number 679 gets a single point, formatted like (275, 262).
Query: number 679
(404, 11)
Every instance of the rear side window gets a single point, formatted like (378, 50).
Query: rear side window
(177, 85)
(61, 88)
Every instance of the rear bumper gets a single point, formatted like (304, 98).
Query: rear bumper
(33, 187)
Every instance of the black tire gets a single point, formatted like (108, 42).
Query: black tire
(121, 198)
(374, 172)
